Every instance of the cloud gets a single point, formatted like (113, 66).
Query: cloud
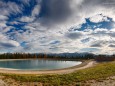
(36, 10)
(99, 43)
(113, 46)
(59, 13)
(6, 44)
(98, 18)
(55, 10)
(74, 35)
(9, 44)
(9, 8)
(59, 25)
(27, 2)
(96, 45)
(27, 19)
(112, 34)
(3, 24)
(3, 18)
(100, 32)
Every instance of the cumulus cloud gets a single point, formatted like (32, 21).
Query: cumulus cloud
(98, 18)
(51, 20)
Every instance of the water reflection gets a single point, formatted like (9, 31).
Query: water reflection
(37, 64)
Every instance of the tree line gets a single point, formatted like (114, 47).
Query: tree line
(56, 56)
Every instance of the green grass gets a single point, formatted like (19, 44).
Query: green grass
(100, 71)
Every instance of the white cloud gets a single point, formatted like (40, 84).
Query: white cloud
(36, 10)
(41, 35)
(98, 18)
(26, 19)
(2, 24)
(25, 1)
(3, 18)
(9, 8)
(42, 31)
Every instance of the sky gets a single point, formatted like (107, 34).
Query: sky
(57, 26)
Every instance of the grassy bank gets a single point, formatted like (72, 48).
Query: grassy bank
(100, 71)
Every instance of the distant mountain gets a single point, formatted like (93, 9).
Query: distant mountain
(69, 55)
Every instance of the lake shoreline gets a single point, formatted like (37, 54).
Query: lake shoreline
(83, 65)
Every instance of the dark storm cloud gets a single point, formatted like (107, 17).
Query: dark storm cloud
(74, 35)
(99, 43)
(112, 34)
(55, 10)
(96, 45)
(58, 11)
(105, 3)
(113, 46)
(7, 45)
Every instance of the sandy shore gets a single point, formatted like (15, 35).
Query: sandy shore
(85, 64)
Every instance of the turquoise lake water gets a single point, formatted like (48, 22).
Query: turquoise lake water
(37, 64)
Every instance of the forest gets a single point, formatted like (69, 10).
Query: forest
(56, 56)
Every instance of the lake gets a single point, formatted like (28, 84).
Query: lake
(37, 64)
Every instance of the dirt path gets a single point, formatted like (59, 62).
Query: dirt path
(84, 65)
